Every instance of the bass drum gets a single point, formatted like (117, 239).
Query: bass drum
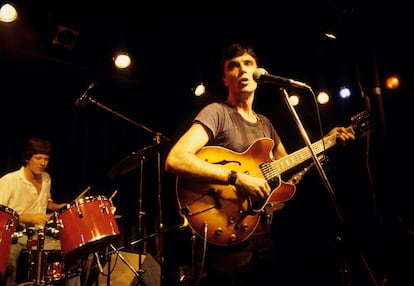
(86, 226)
(9, 220)
(47, 265)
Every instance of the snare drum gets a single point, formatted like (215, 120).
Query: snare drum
(9, 220)
(85, 226)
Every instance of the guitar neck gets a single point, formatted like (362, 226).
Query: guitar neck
(292, 160)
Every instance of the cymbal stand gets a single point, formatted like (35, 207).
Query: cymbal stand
(327, 184)
(160, 215)
(141, 213)
(158, 137)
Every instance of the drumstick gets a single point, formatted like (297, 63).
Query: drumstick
(83, 193)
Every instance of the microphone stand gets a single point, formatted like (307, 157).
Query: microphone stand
(159, 138)
(141, 240)
(158, 135)
(325, 181)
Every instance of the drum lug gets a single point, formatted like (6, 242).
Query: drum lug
(9, 225)
(59, 224)
(80, 214)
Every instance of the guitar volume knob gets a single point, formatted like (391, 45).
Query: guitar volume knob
(233, 237)
(219, 231)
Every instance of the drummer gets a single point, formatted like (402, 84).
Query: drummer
(27, 191)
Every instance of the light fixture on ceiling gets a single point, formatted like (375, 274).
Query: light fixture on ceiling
(65, 37)
(199, 89)
(8, 13)
(122, 61)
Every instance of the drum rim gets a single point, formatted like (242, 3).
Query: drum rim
(81, 201)
(10, 211)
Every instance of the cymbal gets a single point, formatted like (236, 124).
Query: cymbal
(135, 159)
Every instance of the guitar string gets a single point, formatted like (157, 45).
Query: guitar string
(283, 162)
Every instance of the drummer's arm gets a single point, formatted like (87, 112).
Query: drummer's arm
(52, 206)
(34, 219)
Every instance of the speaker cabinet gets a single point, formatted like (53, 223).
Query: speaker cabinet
(122, 275)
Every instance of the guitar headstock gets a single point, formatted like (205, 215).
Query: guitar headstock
(362, 123)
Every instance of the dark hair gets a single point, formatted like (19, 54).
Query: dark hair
(236, 50)
(36, 146)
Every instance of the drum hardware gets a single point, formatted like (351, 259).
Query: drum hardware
(42, 262)
(16, 236)
(88, 267)
(137, 274)
(135, 159)
(40, 244)
(80, 214)
(45, 267)
(113, 209)
(140, 272)
(19, 232)
(52, 231)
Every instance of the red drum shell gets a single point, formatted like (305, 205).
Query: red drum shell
(86, 226)
(9, 220)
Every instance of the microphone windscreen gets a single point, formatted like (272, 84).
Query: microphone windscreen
(258, 73)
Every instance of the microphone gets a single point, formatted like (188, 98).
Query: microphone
(261, 75)
(81, 101)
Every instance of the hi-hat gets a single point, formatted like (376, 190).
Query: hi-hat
(135, 159)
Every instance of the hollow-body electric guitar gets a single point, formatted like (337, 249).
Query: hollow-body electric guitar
(222, 215)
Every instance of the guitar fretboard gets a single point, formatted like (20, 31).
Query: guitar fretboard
(281, 165)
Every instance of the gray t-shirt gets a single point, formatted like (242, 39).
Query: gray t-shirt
(230, 130)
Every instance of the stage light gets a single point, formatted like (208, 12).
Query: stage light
(294, 100)
(392, 82)
(323, 97)
(199, 89)
(122, 61)
(8, 13)
(344, 92)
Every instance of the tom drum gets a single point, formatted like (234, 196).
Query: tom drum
(86, 226)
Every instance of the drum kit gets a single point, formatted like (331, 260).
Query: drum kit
(56, 252)
(82, 228)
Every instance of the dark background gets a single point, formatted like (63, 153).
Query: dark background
(172, 49)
